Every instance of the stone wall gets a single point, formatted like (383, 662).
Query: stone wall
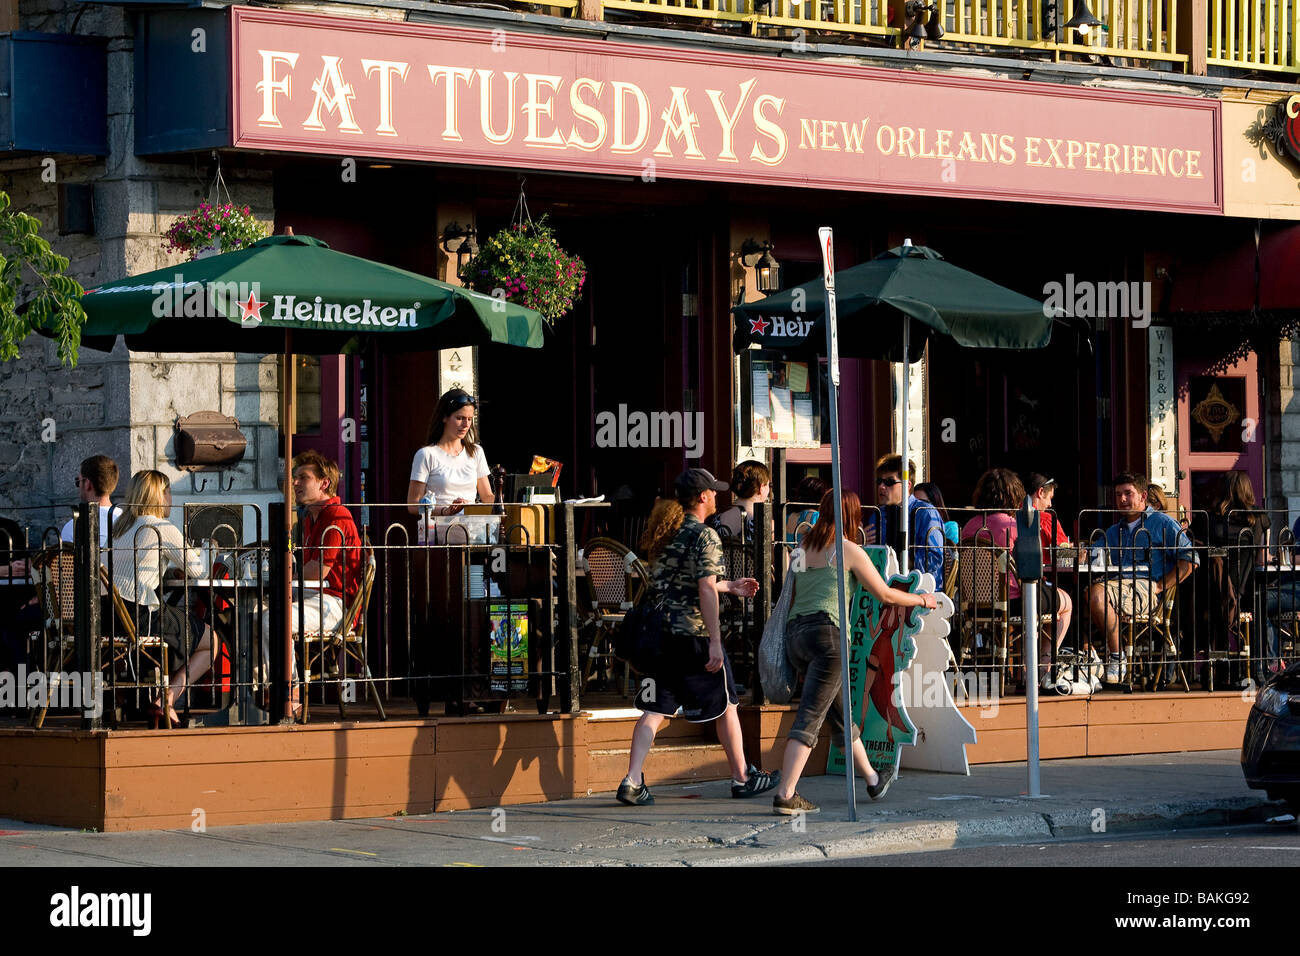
(123, 404)
(1284, 408)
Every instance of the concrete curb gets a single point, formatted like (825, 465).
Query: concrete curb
(918, 837)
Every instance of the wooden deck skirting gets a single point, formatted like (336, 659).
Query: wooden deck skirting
(155, 779)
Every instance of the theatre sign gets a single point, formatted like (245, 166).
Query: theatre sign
(361, 88)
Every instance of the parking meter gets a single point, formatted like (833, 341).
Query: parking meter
(1028, 550)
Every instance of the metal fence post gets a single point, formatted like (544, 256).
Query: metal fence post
(570, 680)
(279, 670)
(763, 512)
(86, 623)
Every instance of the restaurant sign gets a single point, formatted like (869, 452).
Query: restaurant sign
(360, 88)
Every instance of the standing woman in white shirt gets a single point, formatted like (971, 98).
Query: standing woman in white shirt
(145, 546)
(451, 468)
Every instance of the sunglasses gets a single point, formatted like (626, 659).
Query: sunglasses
(888, 482)
(461, 401)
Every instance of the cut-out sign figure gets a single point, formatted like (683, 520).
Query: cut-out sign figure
(880, 645)
(883, 644)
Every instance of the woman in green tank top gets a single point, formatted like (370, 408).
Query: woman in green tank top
(813, 645)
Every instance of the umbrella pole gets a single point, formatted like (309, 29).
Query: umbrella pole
(833, 361)
(907, 478)
(290, 419)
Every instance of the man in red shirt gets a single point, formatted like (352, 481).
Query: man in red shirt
(331, 552)
(1051, 529)
(330, 541)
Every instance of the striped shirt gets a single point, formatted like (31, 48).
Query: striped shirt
(149, 548)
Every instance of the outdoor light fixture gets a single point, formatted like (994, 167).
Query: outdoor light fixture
(767, 271)
(925, 23)
(459, 241)
(1083, 20)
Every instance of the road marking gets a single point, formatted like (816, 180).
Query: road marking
(1273, 848)
(339, 849)
(479, 865)
(509, 839)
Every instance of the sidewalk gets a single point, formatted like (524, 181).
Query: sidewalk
(701, 825)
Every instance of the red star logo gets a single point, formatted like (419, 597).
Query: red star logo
(758, 325)
(252, 309)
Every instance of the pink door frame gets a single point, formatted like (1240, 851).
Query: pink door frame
(1250, 459)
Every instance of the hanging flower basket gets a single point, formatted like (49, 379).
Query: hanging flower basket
(223, 228)
(526, 262)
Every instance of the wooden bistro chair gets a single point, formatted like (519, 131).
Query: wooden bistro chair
(616, 578)
(1150, 639)
(347, 642)
(124, 651)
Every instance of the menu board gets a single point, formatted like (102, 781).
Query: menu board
(782, 406)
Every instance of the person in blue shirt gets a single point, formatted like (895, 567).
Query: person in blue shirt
(925, 526)
(1151, 551)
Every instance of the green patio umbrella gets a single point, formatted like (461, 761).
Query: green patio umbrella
(887, 308)
(288, 294)
(245, 301)
(908, 293)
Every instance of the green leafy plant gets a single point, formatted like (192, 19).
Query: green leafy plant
(34, 292)
(226, 227)
(526, 262)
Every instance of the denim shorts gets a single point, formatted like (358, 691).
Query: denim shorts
(813, 646)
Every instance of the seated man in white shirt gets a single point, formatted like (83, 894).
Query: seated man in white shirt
(96, 480)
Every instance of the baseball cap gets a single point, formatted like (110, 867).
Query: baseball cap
(697, 480)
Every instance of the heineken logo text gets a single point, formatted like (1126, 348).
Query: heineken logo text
(289, 308)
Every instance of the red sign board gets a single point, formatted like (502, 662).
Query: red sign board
(356, 87)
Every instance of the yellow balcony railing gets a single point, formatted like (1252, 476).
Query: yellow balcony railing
(1258, 34)
(1180, 34)
(842, 16)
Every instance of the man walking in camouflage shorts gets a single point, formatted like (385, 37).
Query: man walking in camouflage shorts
(694, 673)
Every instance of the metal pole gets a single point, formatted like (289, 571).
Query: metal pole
(907, 478)
(1029, 591)
(826, 237)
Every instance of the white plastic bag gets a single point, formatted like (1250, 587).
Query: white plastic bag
(774, 668)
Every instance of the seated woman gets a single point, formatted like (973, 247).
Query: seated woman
(751, 482)
(1000, 492)
(810, 490)
(145, 547)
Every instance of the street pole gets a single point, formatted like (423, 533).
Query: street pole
(826, 240)
(1029, 569)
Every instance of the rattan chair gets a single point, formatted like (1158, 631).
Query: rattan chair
(122, 650)
(616, 579)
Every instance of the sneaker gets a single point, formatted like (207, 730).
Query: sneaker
(796, 804)
(635, 795)
(1116, 670)
(759, 780)
(880, 789)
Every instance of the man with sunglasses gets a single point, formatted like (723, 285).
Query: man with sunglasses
(925, 526)
(96, 479)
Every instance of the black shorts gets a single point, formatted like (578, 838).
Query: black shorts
(1049, 600)
(681, 681)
